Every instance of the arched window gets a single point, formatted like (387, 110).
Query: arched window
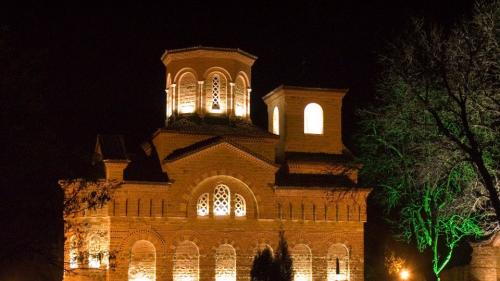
(240, 208)
(313, 119)
(338, 263)
(187, 93)
(225, 263)
(215, 92)
(239, 97)
(142, 263)
(302, 263)
(276, 121)
(202, 206)
(222, 200)
(95, 251)
(186, 262)
(73, 252)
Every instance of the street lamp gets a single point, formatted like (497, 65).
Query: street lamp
(404, 274)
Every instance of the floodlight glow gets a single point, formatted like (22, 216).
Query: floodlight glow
(188, 108)
(239, 110)
(404, 274)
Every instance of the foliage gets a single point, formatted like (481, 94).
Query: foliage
(431, 144)
(265, 267)
(81, 197)
(393, 264)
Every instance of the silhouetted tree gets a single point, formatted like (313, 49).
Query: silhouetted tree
(265, 267)
(283, 260)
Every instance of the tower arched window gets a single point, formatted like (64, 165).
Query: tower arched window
(338, 263)
(276, 121)
(240, 97)
(313, 119)
(225, 263)
(302, 263)
(187, 93)
(202, 206)
(186, 262)
(222, 200)
(240, 207)
(216, 92)
(73, 252)
(142, 263)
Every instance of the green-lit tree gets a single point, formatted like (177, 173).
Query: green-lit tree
(431, 143)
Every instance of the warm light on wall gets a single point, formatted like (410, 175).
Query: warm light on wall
(240, 111)
(276, 121)
(187, 108)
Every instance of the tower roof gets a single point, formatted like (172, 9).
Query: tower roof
(205, 48)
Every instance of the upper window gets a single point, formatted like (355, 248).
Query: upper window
(313, 119)
(222, 200)
(240, 209)
(187, 93)
(240, 97)
(276, 121)
(203, 205)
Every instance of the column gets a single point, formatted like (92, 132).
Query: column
(230, 108)
(174, 99)
(249, 90)
(201, 109)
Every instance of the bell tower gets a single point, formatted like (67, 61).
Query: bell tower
(307, 120)
(206, 81)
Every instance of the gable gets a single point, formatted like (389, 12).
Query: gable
(220, 153)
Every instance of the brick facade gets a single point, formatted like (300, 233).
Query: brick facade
(321, 213)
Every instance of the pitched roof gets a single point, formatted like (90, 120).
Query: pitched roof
(218, 126)
(111, 147)
(313, 180)
(344, 158)
(206, 48)
(205, 144)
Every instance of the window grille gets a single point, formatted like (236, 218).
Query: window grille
(222, 200)
(203, 205)
(216, 92)
(240, 209)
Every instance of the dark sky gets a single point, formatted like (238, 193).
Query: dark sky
(75, 71)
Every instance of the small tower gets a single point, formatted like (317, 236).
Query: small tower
(306, 119)
(206, 81)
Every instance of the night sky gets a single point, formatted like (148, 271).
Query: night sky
(70, 72)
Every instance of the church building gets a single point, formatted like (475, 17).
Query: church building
(210, 189)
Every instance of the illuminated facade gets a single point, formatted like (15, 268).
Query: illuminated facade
(209, 190)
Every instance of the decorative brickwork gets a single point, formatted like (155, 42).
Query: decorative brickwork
(231, 187)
